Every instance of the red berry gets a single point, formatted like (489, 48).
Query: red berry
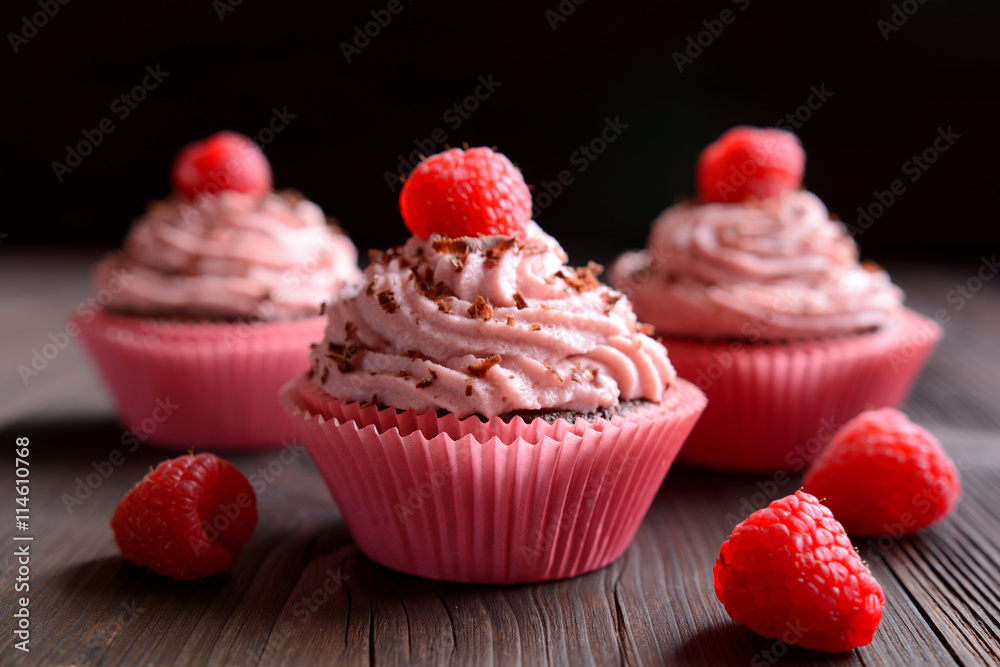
(789, 572)
(224, 161)
(750, 162)
(465, 193)
(187, 519)
(883, 474)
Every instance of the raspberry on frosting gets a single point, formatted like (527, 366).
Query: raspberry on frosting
(486, 325)
(465, 193)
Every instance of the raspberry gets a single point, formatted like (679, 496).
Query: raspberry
(750, 162)
(883, 474)
(187, 519)
(465, 193)
(224, 161)
(789, 572)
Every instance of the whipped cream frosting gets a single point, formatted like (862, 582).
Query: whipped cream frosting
(231, 257)
(486, 326)
(778, 269)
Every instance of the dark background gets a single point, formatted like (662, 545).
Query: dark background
(606, 60)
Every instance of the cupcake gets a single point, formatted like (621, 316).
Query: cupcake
(205, 312)
(480, 411)
(761, 299)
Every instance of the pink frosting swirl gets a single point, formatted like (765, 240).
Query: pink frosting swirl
(487, 326)
(231, 257)
(779, 269)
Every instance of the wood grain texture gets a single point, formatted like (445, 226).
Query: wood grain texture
(302, 594)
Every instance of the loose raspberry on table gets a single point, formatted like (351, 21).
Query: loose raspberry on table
(789, 572)
(188, 518)
(465, 193)
(223, 161)
(883, 474)
(750, 162)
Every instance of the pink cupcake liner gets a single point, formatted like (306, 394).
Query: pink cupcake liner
(773, 406)
(500, 503)
(181, 385)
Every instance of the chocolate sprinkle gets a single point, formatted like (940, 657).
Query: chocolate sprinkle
(481, 309)
(426, 382)
(387, 300)
(479, 367)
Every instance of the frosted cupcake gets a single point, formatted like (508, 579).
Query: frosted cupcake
(761, 299)
(480, 411)
(211, 300)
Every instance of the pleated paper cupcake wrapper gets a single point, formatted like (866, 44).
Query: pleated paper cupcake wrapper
(774, 406)
(499, 503)
(201, 385)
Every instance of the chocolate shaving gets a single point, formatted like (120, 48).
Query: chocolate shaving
(595, 378)
(481, 309)
(445, 306)
(479, 367)
(519, 301)
(312, 373)
(371, 287)
(643, 328)
(387, 300)
(412, 354)
(322, 308)
(324, 375)
(344, 356)
(491, 246)
(350, 330)
(425, 285)
(576, 374)
(611, 298)
(585, 278)
(402, 374)
(426, 382)
(511, 320)
(549, 368)
(468, 390)
(535, 326)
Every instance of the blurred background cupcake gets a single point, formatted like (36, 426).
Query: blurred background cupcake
(481, 411)
(212, 299)
(760, 297)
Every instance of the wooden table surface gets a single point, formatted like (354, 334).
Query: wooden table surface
(301, 593)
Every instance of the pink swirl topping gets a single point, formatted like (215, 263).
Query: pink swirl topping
(488, 326)
(231, 257)
(779, 269)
